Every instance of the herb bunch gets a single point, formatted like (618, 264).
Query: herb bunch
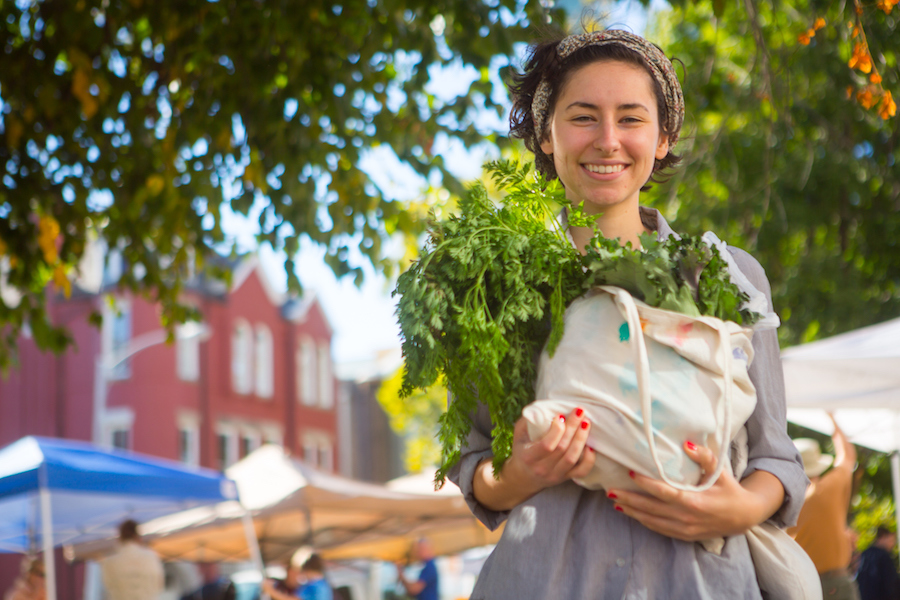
(489, 292)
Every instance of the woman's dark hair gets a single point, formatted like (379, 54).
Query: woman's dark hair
(544, 64)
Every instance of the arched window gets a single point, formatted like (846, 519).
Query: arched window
(264, 377)
(326, 383)
(306, 372)
(242, 357)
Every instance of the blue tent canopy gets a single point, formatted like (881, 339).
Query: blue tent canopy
(90, 491)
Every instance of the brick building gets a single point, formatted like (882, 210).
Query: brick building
(262, 373)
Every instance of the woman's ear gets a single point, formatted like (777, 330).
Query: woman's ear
(662, 146)
(547, 144)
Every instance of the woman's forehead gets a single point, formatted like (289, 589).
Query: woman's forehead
(623, 81)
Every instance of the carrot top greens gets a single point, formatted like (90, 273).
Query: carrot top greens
(490, 288)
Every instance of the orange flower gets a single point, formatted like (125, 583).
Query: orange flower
(888, 108)
(866, 98)
(48, 232)
(849, 91)
(860, 59)
(805, 37)
(820, 22)
(886, 5)
(61, 280)
(855, 33)
(875, 78)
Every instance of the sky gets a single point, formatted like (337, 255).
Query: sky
(363, 318)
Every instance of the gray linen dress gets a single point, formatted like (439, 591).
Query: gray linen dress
(568, 542)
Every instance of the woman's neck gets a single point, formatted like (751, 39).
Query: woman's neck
(624, 225)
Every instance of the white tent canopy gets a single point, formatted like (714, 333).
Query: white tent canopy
(855, 376)
(294, 505)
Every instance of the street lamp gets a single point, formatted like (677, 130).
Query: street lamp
(103, 366)
(108, 361)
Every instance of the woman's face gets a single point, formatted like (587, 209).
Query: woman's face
(605, 135)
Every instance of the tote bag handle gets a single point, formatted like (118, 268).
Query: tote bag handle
(642, 367)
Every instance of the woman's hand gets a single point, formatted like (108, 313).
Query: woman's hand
(561, 454)
(726, 508)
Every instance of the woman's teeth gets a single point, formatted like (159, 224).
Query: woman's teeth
(605, 169)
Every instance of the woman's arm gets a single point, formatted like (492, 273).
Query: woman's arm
(561, 454)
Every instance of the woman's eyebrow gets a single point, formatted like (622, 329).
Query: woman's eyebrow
(591, 106)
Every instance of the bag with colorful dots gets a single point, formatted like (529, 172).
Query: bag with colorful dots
(648, 380)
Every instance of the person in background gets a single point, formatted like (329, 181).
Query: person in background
(291, 582)
(307, 583)
(877, 576)
(314, 586)
(30, 585)
(821, 528)
(133, 571)
(426, 586)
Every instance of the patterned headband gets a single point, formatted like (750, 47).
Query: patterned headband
(660, 67)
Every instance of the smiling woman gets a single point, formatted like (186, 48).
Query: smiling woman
(602, 112)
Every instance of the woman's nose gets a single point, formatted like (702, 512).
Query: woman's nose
(606, 139)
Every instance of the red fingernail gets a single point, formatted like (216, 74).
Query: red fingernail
(618, 508)
(579, 412)
(631, 474)
(611, 495)
(691, 445)
(584, 424)
(562, 418)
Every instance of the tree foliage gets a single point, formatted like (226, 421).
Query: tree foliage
(415, 418)
(780, 157)
(137, 121)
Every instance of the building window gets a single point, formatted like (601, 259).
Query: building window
(306, 380)
(187, 358)
(318, 451)
(189, 439)
(227, 447)
(265, 375)
(121, 439)
(117, 336)
(118, 421)
(326, 383)
(326, 457)
(250, 441)
(242, 358)
(271, 435)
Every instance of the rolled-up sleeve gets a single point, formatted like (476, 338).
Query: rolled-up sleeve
(478, 448)
(770, 447)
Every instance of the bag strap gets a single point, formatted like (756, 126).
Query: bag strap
(642, 371)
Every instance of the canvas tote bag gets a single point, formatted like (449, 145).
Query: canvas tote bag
(648, 380)
(783, 568)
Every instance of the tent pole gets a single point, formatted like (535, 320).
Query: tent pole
(895, 481)
(253, 545)
(47, 535)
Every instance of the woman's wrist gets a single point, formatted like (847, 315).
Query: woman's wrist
(505, 492)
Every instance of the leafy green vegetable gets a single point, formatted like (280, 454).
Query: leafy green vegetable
(490, 289)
